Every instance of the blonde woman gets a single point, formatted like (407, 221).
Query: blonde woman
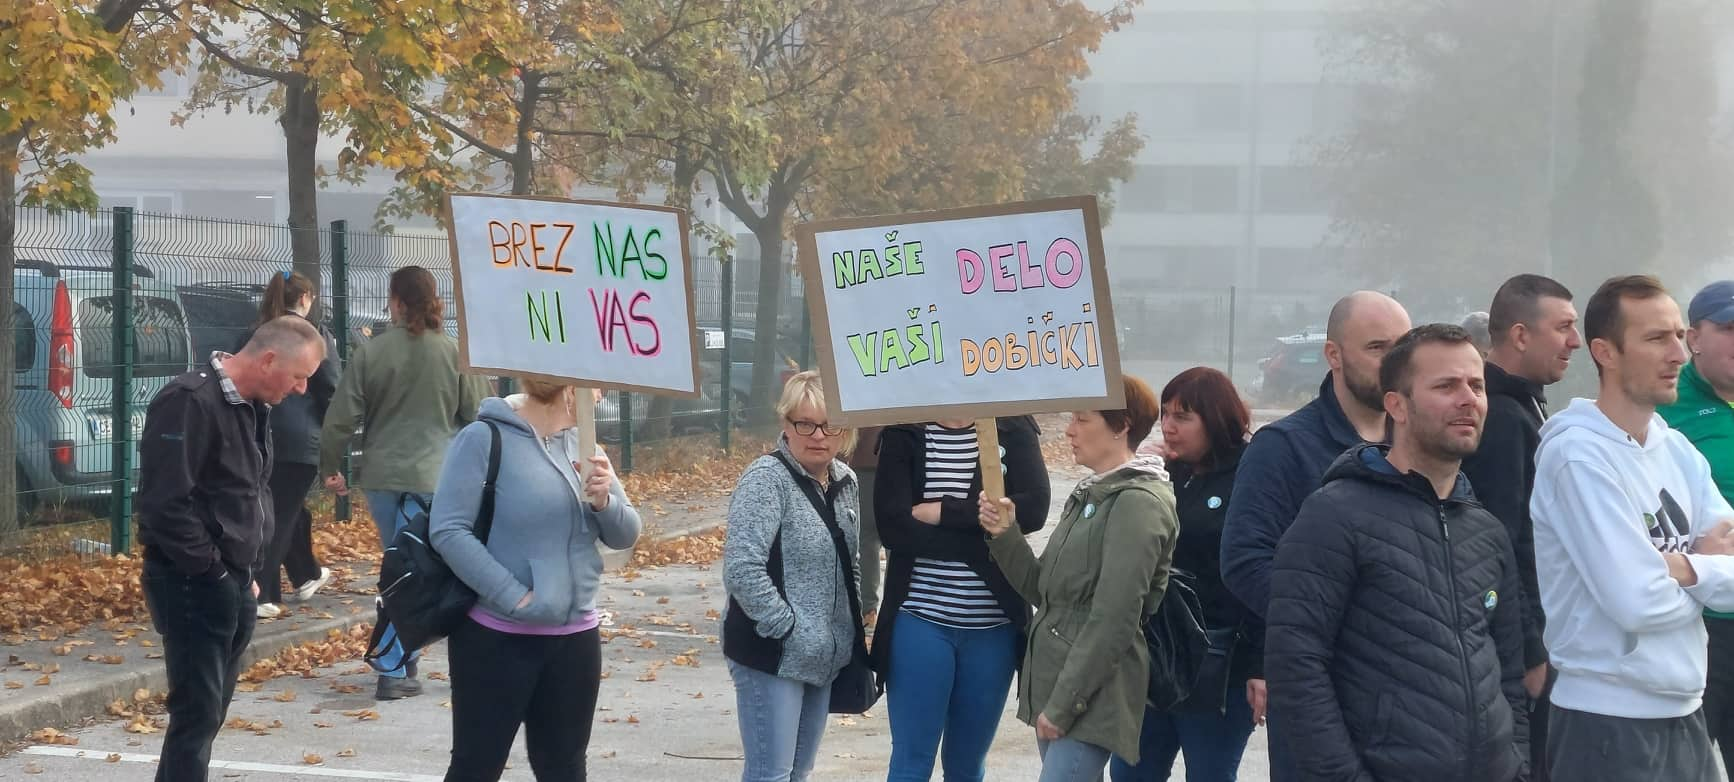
(791, 624)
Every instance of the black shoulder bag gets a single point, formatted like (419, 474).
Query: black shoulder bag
(418, 592)
(855, 689)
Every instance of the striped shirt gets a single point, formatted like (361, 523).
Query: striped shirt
(943, 592)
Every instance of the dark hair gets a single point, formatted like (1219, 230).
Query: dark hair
(414, 289)
(1519, 301)
(1210, 395)
(1604, 318)
(282, 293)
(1139, 415)
(1396, 370)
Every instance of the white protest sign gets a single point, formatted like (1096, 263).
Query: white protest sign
(968, 313)
(589, 292)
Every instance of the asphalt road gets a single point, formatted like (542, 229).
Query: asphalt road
(666, 713)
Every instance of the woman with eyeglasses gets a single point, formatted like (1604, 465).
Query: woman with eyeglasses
(791, 624)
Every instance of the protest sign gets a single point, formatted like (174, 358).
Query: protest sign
(965, 313)
(575, 291)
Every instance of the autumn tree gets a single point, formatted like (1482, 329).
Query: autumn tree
(1576, 137)
(67, 62)
(327, 67)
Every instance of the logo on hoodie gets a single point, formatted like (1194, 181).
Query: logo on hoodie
(1670, 529)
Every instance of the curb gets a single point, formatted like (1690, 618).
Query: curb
(613, 561)
(90, 698)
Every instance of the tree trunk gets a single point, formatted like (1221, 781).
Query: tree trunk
(9, 147)
(659, 420)
(766, 368)
(523, 160)
(300, 120)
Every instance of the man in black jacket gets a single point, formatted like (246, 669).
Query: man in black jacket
(203, 497)
(1534, 331)
(1393, 649)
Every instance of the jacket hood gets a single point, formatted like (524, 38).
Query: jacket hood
(504, 411)
(1503, 383)
(1370, 462)
(1141, 468)
(1584, 416)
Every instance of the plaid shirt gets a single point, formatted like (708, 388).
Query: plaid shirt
(229, 392)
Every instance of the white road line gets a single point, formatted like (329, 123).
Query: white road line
(235, 765)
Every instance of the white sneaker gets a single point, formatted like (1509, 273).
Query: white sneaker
(269, 611)
(306, 591)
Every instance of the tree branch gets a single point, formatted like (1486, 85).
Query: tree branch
(216, 50)
(468, 137)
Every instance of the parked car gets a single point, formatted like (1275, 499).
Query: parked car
(1293, 370)
(64, 368)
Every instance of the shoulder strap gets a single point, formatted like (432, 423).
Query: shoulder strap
(826, 508)
(485, 515)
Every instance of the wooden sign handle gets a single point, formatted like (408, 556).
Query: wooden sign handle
(585, 411)
(987, 440)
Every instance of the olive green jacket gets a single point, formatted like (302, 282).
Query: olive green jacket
(1105, 567)
(407, 391)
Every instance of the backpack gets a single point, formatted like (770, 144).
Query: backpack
(419, 594)
(1177, 641)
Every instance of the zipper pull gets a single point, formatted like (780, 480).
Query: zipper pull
(1444, 528)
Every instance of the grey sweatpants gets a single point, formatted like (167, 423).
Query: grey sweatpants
(1585, 747)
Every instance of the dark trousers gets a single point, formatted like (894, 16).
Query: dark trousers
(291, 545)
(206, 626)
(1539, 709)
(548, 684)
(1585, 747)
(1213, 743)
(1719, 691)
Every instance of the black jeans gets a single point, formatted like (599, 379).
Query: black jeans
(1719, 690)
(291, 543)
(1585, 747)
(205, 625)
(547, 684)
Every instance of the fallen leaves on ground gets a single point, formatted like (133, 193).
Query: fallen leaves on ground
(52, 736)
(60, 594)
(304, 660)
(684, 469)
(312, 759)
(697, 549)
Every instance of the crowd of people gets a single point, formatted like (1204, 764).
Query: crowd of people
(1418, 575)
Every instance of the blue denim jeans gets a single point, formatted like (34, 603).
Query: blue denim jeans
(1213, 744)
(391, 510)
(1071, 760)
(951, 683)
(781, 722)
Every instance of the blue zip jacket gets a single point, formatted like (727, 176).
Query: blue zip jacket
(1282, 466)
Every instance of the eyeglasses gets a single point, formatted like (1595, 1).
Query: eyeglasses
(807, 428)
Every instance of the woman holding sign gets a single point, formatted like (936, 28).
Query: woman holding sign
(531, 652)
(952, 631)
(1086, 667)
(790, 568)
(1204, 431)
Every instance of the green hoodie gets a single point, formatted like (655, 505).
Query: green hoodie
(1105, 567)
(1708, 421)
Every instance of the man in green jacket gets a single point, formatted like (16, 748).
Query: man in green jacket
(1705, 414)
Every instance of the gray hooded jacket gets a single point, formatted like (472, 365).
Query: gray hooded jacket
(544, 535)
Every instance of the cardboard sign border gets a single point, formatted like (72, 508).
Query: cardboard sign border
(810, 265)
(691, 298)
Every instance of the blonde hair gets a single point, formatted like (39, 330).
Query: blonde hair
(542, 390)
(808, 388)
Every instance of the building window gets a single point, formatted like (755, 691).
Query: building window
(1173, 267)
(151, 203)
(1182, 189)
(1297, 268)
(247, 205)
(1218, 108)
(1291, 190)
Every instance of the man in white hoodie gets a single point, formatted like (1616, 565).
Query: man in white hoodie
(1628, 524)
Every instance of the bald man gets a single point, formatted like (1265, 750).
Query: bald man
(1287, 460)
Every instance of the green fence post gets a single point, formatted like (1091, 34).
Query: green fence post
(727, 305)
(625, 432)
(120, 417)
(340, 324)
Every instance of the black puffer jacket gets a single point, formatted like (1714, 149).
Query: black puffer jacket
(1394, 648)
